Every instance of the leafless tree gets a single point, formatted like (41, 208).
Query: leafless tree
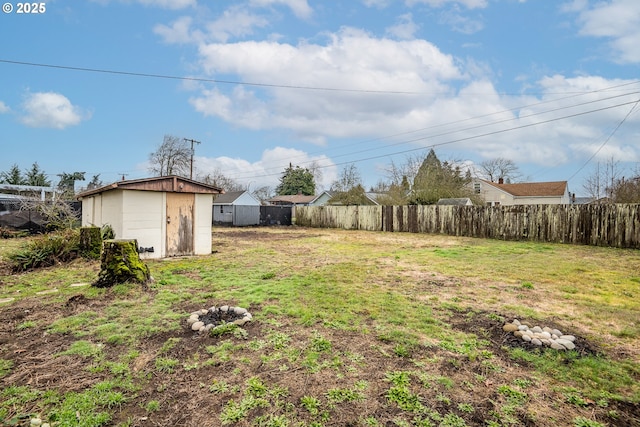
(173, 157)
(500, 168)
(348, 178)
(407, 171)
(602, 182)
(217, 178)
(316, 171)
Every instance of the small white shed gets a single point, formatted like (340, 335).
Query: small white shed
(167, 215)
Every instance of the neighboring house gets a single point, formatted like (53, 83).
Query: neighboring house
(322, 199)
(526, 193)
(459, 201)
(236, 208)
(168, 215)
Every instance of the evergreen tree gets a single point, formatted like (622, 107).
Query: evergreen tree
(67, 183)
(436, 180)
(36, 176)
(13, 176)
(296, 181)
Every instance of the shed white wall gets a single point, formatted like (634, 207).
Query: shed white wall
(203, 216)
(144, 219)
(92, 211)
(111, 211)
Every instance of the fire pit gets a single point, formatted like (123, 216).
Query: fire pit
(206, 319)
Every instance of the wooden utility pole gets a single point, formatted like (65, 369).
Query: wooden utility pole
(192, 141)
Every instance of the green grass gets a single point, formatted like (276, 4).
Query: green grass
(349, 328)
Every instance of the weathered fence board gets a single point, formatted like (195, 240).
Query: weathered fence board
(613, 225)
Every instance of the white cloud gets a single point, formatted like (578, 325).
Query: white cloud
(404, 28)
(4, 108)
(267, 170)
(300, 8)
(616, 20)
(50, 110)
(351, 59)
(179, 32)
(235, 22)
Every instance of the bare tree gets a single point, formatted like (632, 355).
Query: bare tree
(264, 193)
(602, 182)
(218, 179)
(500, 168)
(173, 157)
(316, 171)
(348, 178)
(407, 171)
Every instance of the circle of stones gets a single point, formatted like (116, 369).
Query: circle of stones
(204, 320)
(541, 336)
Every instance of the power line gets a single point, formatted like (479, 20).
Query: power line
(624, 119)
(257, 84)
(455, 140)
(200, 79)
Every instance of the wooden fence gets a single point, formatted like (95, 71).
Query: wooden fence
(614, 225)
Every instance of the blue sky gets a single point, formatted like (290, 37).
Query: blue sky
(550, 85)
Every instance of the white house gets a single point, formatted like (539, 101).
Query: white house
(526, 193)
(168, 215)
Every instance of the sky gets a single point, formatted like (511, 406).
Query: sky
(94, 86)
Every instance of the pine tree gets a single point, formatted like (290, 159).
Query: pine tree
(296, 181)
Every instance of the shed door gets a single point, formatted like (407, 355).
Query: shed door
(180, 223)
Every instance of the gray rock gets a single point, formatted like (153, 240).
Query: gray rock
(240, 311)
(569, 345)
(240, 322)
(568, 337)
(556, 332)
(516, 322)
(545, 335)
(536, 341)
(556, 346)
(523, 327)
(536, 329)
(197, 325)
(224, 308)
(203, 312)
(526, 338)
(547, 329)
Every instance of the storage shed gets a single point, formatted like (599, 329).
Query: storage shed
(237, 208)
(167, 215)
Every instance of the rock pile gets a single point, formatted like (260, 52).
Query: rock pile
(206, 319)
(541, 336)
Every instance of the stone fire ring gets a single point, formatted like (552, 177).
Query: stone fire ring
(206, 319)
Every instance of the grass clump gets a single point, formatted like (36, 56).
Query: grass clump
(45, 251)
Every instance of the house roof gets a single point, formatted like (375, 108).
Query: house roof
(170, 184)
(297, 199)
(533, 189)
(459, 201)
(227, 198)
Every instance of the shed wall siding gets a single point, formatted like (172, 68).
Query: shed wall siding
(202, 220)
(112, 212)
(143, 219)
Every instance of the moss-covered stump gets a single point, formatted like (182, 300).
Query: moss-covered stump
(120, 263)
(90, 242)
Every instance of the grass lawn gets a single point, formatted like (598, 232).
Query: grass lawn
(349, 328)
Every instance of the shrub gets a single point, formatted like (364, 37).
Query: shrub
(45, 251)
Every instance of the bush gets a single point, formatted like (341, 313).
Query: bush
(46, 250)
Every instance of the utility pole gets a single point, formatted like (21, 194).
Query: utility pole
(192, 141)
